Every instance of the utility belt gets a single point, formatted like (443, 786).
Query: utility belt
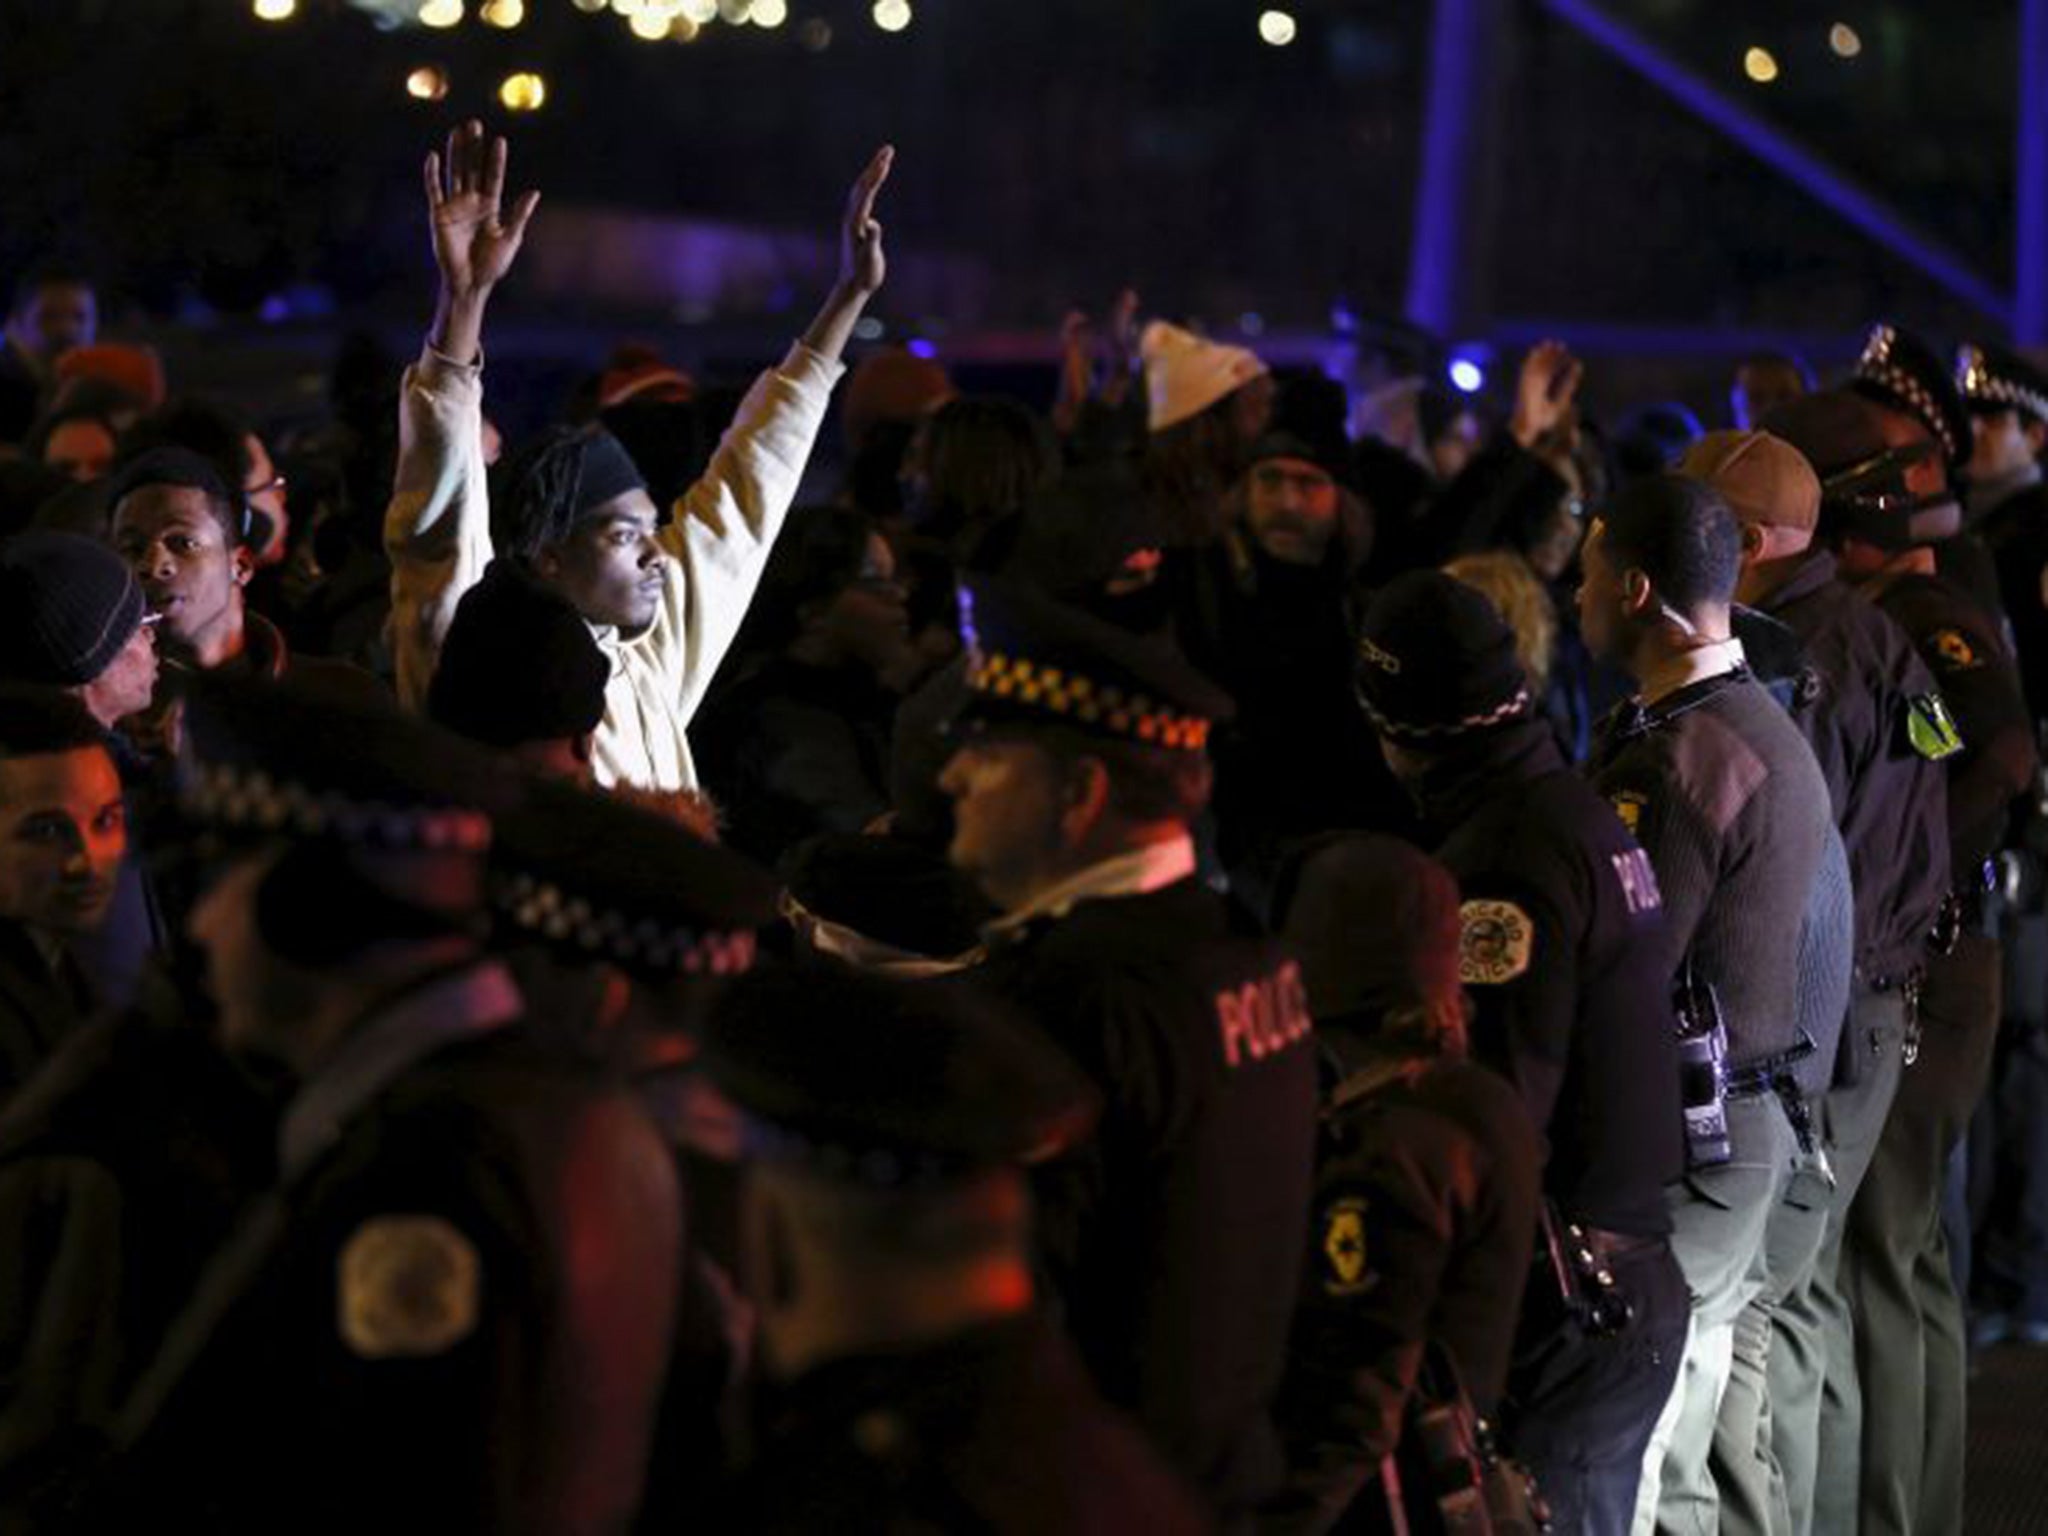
(1708, 1080)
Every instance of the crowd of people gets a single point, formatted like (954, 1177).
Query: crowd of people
(1194, 955)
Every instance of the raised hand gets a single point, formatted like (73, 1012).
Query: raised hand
(1545, 392)
(475, 239)
(862, 262)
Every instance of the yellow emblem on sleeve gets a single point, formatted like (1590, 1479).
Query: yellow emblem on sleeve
(1344, 1249)
(409, 1287)
(1628, 805)
(1953, 646)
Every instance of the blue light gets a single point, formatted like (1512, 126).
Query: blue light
(922, 348)
(1467, 376)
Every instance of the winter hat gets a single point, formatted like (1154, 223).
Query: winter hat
(1185, 375)
(67, 606)
(1374, 923)
(1436, 660)
(519, 665)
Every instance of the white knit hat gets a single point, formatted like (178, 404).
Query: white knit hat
(1185, 375)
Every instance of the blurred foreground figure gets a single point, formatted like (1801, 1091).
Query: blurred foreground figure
(912, 1381)
(454, 1311)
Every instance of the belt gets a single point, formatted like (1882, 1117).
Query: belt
(1612, 1247)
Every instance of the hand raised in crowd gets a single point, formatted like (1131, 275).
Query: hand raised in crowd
(1095, 364)
(1545, 392)
(475, 237)
(863, 263)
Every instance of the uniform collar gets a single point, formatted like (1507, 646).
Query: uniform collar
(445, 1009)
(1137, 873)
(1685, 668)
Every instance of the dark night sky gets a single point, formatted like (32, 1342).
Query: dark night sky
(187, 148)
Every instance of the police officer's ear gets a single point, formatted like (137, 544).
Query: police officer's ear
(1087, 794)
(2035, 430)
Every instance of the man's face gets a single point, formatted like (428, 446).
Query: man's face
(81, 448)
(250, 987)
(1009, 798)
(56, 317)
(1602, 599)
(1291, 510)
(1452, 449)
(1902, 429)
(1251, 408)
(2005, 444)
(610, 568)
(178, 550)
(129, 681)
(63, 832)
(1761, 388)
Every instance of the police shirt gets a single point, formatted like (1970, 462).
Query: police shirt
(1564, 958)
(1174, 1238)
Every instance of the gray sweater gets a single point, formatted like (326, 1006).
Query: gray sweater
(1724, 795)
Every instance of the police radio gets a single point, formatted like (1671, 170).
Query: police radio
(1702, 1071)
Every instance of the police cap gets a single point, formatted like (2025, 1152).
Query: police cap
(1899, 370)
(1993, 379)
(890, 1083)
(1033, 660)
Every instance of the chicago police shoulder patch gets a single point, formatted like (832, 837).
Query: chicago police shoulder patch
(1495, 942)
(409, 1287)
(1347, 1269)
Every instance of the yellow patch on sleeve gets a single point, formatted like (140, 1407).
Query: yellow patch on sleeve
(1628, 805)
(1346, 1271)
(1955, 650)
(410, 1287)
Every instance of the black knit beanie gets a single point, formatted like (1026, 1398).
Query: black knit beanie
(67, 606)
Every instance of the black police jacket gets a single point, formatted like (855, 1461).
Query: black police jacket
(997, 1430)
(1565, 958)
(1174, 1238)
(1424, 1219)
(1962, 646)
(454, 1314)
(1890, 796)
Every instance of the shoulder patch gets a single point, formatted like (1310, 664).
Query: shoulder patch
(1347, 1269)
(1495, 942)
(1628, 805)
(409, 1288)
(1931, 730)
(1955, 650)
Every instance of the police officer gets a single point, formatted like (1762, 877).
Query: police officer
(454, 1310)
(1731, 808)
(913, 1380)
(1562, 933)
(1910, 1345)
(2008, 503)
(1175, 1237)
(1427, 1184)
(1872, 723)
(1921, 415)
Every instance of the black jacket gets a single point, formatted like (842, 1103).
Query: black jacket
(1425, 1213)
(1174, 1238)
(996, 1431)
(1565, 957)
(1890, 801)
